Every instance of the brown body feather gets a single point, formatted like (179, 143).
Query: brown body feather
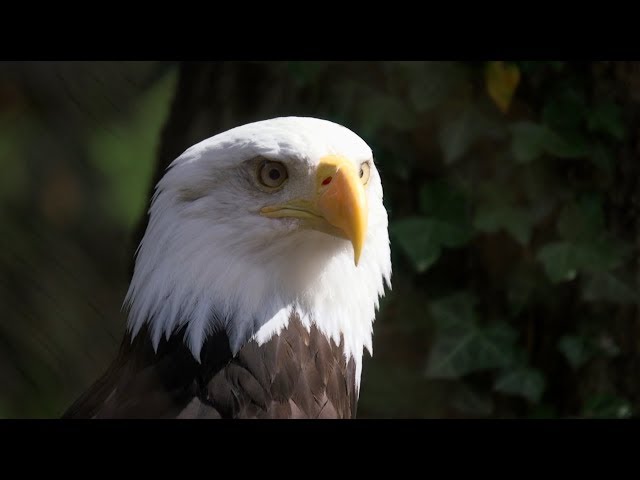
(296, 374)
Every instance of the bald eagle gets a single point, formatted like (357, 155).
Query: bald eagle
(257, 280)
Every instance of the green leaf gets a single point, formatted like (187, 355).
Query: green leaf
(465, 347)
(530, 140)
(449, 234)
(454, 309)
(417, 239)
(517, 221)
(562, 261)
(456, 136)
(605, 286)
(604, 253)
(471, 402)
(606, 117)
(607, 406)
(576, 349)
(460, 132)
(422, 239)
(524, 381)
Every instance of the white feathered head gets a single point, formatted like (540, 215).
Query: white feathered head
(259, 222)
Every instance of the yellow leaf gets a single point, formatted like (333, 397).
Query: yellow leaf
(502, 81)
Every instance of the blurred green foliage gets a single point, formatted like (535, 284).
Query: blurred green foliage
(127, 164)
(514, 202)
(77, 148)
(520, 203)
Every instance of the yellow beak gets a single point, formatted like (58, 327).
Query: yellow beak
(338, 205)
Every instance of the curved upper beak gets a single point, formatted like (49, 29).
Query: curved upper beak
(338, 205)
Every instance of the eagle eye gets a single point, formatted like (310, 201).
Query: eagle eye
(272, 174)
(365, 172)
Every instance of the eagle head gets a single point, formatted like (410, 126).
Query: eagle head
(264, 221)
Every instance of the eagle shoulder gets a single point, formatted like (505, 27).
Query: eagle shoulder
(298, 373)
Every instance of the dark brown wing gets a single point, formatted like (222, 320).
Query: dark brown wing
(143, 383)
(296, 374)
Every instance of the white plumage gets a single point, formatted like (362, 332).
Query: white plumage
(210, 260)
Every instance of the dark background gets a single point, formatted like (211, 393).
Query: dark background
(512, 190)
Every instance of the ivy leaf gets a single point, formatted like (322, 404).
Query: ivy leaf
(530, 140)
(605, 286)
(471, 402)
(524, 381)
(422, 239)
(502, 80)
(576, 349)
(563, 260)
(416, 238)
(607, 406)
(460, 132)
(454, 309)
(461, 345)
(444, 225)
(517, 221)
(560, 261)
(604, 253)
(457, 135)
(466, 347)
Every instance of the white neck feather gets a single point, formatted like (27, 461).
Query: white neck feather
(224, 275)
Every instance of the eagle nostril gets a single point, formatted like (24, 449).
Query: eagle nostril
(327, 181)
